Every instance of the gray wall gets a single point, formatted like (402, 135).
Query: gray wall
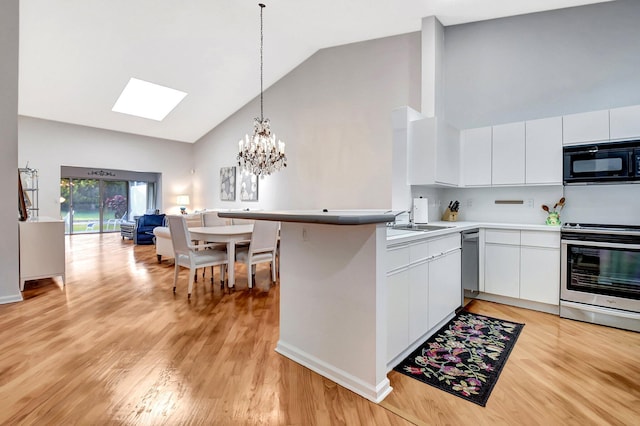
(9, 289)
(334, 113)
(544, 64)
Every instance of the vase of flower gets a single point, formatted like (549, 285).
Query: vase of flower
(553, 215)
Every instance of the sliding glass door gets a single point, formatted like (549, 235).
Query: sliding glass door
(90, 205)
(115, 204)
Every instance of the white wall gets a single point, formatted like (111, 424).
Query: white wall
(543, 64)
(9, 288)
(334, 113)
(47, 145)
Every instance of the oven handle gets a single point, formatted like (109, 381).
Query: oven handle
(599, 244)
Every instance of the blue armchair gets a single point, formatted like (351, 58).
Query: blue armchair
(144, 227)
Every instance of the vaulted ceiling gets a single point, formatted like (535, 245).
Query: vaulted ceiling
(77, 55)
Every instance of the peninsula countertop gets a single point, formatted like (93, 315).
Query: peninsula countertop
(330, 217)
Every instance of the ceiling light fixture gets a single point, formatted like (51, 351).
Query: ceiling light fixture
(260, 154)
(147, 100)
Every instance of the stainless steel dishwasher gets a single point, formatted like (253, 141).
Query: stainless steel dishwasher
(470, 257)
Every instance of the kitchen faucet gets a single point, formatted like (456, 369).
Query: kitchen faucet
(395, 216)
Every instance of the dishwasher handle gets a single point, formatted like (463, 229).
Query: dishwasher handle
(470, 236)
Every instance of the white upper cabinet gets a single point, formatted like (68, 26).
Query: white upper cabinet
(543, 146)
(433, 153)
(625, 122)
(585, 127)
(508, 154)
(476, 156)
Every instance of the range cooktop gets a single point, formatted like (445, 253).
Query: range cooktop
(601, 228)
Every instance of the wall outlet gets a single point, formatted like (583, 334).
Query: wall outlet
(469, 203)
(530, 203)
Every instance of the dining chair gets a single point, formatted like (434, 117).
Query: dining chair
(192, 256)
(211, 218)
(261, 249)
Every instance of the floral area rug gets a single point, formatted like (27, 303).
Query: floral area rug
(465, 356)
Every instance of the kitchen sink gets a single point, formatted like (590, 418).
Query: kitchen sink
(420, 227)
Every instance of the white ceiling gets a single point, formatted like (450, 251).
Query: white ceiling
(77, 55)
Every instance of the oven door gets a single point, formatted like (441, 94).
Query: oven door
(601, 273)
(593, 164)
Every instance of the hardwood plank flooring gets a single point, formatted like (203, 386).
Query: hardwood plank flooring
(116, 346)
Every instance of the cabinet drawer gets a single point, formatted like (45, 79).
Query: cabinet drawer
(397, 257)
(502, 236)
(444, 244)
(418, 251)
(540, 239)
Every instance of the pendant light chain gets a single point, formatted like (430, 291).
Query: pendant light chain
(262, 6)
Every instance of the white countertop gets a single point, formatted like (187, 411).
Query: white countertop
(401, 236)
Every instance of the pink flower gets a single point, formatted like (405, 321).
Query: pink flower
(452, 358)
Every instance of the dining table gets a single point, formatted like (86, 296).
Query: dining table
(228, 234)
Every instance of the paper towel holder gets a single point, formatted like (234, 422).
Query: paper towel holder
(421, 210)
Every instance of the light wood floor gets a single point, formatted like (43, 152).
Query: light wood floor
(116, 346)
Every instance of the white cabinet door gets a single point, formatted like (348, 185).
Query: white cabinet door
(508, 151)
(418, 301)
(476, 156)
(433, 153)
(540, 274)
(585, 127)
(543, 151)
(447, 154)
(397, 313)
(625, 122)
(445, 288)
(502, 270)
(421, 152)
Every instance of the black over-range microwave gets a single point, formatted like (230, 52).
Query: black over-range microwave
(614, 162)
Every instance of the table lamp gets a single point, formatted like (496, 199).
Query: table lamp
(183, 202)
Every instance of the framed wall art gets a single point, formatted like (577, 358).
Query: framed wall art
(248, 187)
(228, 183)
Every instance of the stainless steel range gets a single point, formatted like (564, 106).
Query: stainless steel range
(600, 274)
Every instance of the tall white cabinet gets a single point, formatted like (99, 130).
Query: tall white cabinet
(41, 249)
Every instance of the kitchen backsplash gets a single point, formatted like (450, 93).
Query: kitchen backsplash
(604, 204)
(479, 204)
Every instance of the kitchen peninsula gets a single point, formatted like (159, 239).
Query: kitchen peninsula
(333, 316)
(356, 295)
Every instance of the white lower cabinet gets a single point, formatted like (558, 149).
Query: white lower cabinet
(540, 275)
(445, 291)
(502, 270)
(397, 312)
(418, 301)
(523, 265)
(423, 288)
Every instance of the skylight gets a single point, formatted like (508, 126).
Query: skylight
(147, 100)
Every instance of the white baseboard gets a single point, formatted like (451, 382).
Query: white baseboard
(520, 303)
(13, 298)
(375, 393)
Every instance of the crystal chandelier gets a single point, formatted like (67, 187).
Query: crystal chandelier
(260, 154)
